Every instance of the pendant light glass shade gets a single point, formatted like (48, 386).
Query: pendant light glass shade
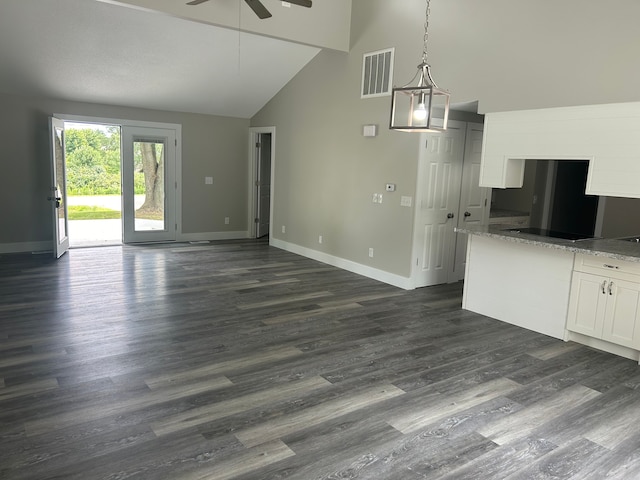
(422, 107)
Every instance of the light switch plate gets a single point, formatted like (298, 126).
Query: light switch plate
(405, 201)
(208, 180)
(370, 130)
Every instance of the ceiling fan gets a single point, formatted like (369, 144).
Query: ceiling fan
(258, 8)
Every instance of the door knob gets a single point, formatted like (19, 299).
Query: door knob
(467, 214)
(450, 215)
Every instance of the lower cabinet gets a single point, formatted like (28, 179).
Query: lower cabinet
(606, 307)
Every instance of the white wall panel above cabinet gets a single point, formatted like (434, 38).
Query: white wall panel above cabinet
(606, 135)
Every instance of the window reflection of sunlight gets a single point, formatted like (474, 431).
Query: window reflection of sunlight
(103, 305)
(148, 276)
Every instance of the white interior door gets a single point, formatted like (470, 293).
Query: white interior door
(438, 193)
(58, 192)
(148, 184)
(263, 184)
(473, 198)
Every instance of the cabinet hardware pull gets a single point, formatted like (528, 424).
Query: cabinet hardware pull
(606, 265)
(604, 285)
(610, 287)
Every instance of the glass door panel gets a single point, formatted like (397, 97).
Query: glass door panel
(149, 197)
(58, 193)
(148, 184)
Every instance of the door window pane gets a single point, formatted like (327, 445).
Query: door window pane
(60, 185)
(149, 185)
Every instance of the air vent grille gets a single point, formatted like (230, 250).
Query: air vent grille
(377, 70)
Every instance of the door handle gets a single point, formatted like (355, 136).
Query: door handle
(58, 200)
(467, 214)
(604, 285)
(610, 288)
(450, 215)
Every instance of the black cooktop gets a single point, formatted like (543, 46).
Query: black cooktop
(551, 233)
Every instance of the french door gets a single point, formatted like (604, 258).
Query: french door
(58, 191)
(148, 184)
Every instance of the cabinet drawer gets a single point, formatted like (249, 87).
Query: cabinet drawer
(607, 266)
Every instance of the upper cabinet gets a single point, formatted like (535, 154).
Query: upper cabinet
(606, 135)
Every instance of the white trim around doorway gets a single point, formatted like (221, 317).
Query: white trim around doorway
(136, 123)
(253, 169)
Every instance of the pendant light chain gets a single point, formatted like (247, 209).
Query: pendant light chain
(426, 32)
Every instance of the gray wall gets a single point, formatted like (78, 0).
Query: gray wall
(211, 146)
(515, 55)
(621, 217)
(506, 55)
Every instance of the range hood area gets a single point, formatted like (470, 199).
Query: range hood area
(606, 136)
(554, 200)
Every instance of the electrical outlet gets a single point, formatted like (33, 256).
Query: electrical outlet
(320, 239)
(226, 220)
(208, 180)
(371, 252)
(284, 229)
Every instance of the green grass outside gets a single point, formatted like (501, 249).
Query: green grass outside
(86, 212)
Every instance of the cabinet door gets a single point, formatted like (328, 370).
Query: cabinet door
(587, 304)
(622, 317)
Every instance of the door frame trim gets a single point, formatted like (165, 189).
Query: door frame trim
(253, 177)
(140, 123)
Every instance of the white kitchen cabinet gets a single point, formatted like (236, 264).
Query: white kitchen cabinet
(519, 283)
(606, 306)
(605, 135)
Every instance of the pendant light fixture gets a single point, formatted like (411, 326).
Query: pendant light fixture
(423, 107)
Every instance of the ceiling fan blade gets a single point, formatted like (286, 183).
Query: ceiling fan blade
(258, 8)
(196, 2)
(302, 3)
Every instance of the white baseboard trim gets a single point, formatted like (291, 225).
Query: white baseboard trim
(199, 237)
(23, 247)
(364, 270)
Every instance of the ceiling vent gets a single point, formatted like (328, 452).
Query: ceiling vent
(377, 69)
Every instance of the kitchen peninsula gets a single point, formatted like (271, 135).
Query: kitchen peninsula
(586, 290)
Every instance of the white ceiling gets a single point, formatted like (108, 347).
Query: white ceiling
(98, 52)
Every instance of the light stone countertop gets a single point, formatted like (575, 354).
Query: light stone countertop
(609, 248)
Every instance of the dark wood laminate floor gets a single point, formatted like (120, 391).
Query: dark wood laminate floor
(243, 361)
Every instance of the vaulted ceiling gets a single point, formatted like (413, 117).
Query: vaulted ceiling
(216, 58)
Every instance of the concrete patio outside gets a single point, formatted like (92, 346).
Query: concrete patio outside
(91, 233)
